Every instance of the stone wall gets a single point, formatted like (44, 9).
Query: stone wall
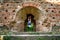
(51, 11)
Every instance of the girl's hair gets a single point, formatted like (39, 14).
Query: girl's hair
(28, 15)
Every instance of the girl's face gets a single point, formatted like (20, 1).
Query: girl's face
(29, 17)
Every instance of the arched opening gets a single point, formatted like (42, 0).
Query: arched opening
(30, 23)
(24, 14)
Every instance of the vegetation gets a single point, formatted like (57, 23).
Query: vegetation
(32, 38)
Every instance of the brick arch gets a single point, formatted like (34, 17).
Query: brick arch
(29, 10)
(33, 4)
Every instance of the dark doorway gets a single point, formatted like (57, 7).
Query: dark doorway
(29, 24)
